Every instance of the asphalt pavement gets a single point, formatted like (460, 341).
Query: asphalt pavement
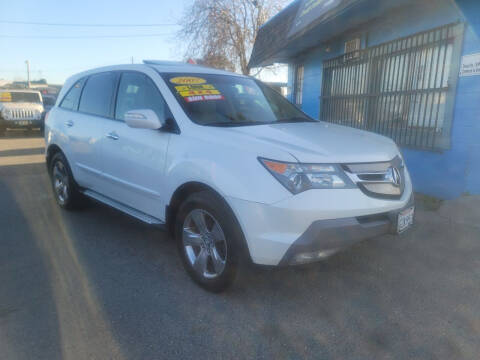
(96, 284)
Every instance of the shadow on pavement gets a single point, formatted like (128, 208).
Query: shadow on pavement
(19, 134)
(82, 329)
(21, 151)
(28, 320)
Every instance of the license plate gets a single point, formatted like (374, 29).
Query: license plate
(405, 219)
(22, 122)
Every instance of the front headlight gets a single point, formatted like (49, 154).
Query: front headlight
(6, 114)
(297, 177)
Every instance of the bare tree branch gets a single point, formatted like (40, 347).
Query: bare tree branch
(221, 33)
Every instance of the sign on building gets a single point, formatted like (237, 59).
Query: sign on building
(470, 65)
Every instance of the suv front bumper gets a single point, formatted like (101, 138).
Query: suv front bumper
(326, 237)
(21, 124)
(316, 223)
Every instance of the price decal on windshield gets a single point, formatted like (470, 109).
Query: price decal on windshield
(181, 80)
(199, 92)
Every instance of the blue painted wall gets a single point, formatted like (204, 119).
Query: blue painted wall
(447, 174)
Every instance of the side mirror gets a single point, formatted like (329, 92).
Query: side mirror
(143, 119)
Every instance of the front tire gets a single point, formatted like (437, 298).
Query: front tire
(64, 188)
(208, 239)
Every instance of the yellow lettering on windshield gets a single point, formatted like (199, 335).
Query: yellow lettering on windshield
(181, 80)
(193, 91)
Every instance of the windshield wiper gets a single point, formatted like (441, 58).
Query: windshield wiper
(250, 123)
(294, 119)
(232, 124)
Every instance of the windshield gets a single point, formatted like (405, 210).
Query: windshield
(16, 97)
(222, 100)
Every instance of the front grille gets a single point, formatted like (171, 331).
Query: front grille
(375, 218)
(23, 114)
(380, 179)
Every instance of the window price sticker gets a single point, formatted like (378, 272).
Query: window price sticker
(199, 92)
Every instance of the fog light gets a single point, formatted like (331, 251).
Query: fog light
(304, 258)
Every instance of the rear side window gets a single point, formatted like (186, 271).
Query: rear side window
(97, 95)
(137, 91)
(70, 101)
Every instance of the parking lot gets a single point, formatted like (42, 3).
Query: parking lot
(96, 284)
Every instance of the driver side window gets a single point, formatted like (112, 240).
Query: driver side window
(136, 91)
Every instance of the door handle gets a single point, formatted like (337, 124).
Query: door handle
(112, 135)
(69, 123)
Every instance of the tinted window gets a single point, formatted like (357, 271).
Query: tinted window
(137, 91)
(70, 101)
(97, 95)
(223, 100)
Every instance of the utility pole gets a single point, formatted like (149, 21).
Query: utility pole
(28, 73)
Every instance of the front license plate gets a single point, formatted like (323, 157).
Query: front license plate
(23, 122)
(405, 219)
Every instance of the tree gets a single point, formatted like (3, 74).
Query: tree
(221, 33)
(216, 60)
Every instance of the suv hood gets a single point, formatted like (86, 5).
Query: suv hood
(316, 142)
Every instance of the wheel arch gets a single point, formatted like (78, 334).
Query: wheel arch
(179, 196)
(51, 151)
(182, 193)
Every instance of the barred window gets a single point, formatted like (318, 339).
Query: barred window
(403, 89)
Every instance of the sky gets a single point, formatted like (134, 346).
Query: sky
(56, 59)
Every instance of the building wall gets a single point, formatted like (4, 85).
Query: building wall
(446, 174)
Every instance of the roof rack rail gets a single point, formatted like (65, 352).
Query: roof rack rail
(165, 62)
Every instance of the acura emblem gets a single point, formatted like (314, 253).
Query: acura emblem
(393, 175)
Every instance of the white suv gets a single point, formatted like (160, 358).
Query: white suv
(227, 164)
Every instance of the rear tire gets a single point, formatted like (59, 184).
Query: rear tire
(208, 239)
(64, 187)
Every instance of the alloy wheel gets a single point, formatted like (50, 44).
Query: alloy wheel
(60, 182)
(204, 243)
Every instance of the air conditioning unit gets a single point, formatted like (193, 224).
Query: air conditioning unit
(352, 48)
